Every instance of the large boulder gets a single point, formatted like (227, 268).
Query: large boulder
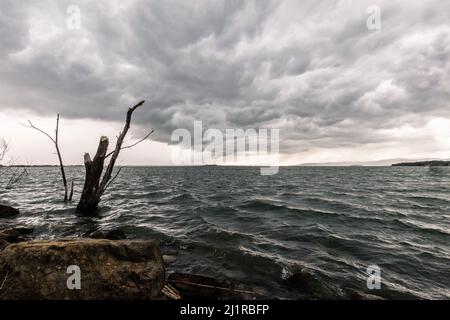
(15, 235)
(3, 244)
(126, 269)
(9, 235)
(7, 211)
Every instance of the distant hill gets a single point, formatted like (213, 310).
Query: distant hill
(433, 163)
(378, 163)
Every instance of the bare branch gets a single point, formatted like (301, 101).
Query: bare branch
(31, 126)
(131, 110)
(134, 144)
(55, 141)
(114, 178)
(16, 178)
(3, 148)
(112, 162)
(63, 173)
(71, 190)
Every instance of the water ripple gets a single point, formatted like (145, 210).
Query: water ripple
(231, 221)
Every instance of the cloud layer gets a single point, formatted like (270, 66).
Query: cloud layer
(312, 69)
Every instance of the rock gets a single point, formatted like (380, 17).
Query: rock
(191, 286)
(309, 285)
(358, 295)
(3, 244)
(22, 239)
(122, 269)
(13, 235)
(24, 231)
(8, 212)
(109, 234)
(9, 235)
(169, 259)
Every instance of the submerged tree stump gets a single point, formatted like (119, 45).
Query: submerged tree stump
(90, 197)
(94, 185)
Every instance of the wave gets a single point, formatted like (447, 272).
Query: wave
(332, 220)
(264, 205)
(424, 227)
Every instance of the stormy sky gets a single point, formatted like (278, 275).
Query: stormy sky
(336, 89)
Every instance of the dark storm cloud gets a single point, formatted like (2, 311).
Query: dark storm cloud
(310, 68)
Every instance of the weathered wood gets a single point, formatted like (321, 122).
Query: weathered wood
(94, 188)
(90, 197)
(115, 155)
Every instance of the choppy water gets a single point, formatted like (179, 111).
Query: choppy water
(230, 222)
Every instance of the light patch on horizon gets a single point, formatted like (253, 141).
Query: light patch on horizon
(78, 136)
(336, 90)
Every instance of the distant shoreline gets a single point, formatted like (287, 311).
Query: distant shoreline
(435, 163)
(430, 163)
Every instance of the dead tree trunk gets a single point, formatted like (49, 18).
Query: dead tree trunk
(94, 188)
(89, 197)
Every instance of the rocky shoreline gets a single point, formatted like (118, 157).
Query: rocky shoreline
(112, 267)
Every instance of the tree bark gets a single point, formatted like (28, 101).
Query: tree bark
(90, 196)
(94, 188)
